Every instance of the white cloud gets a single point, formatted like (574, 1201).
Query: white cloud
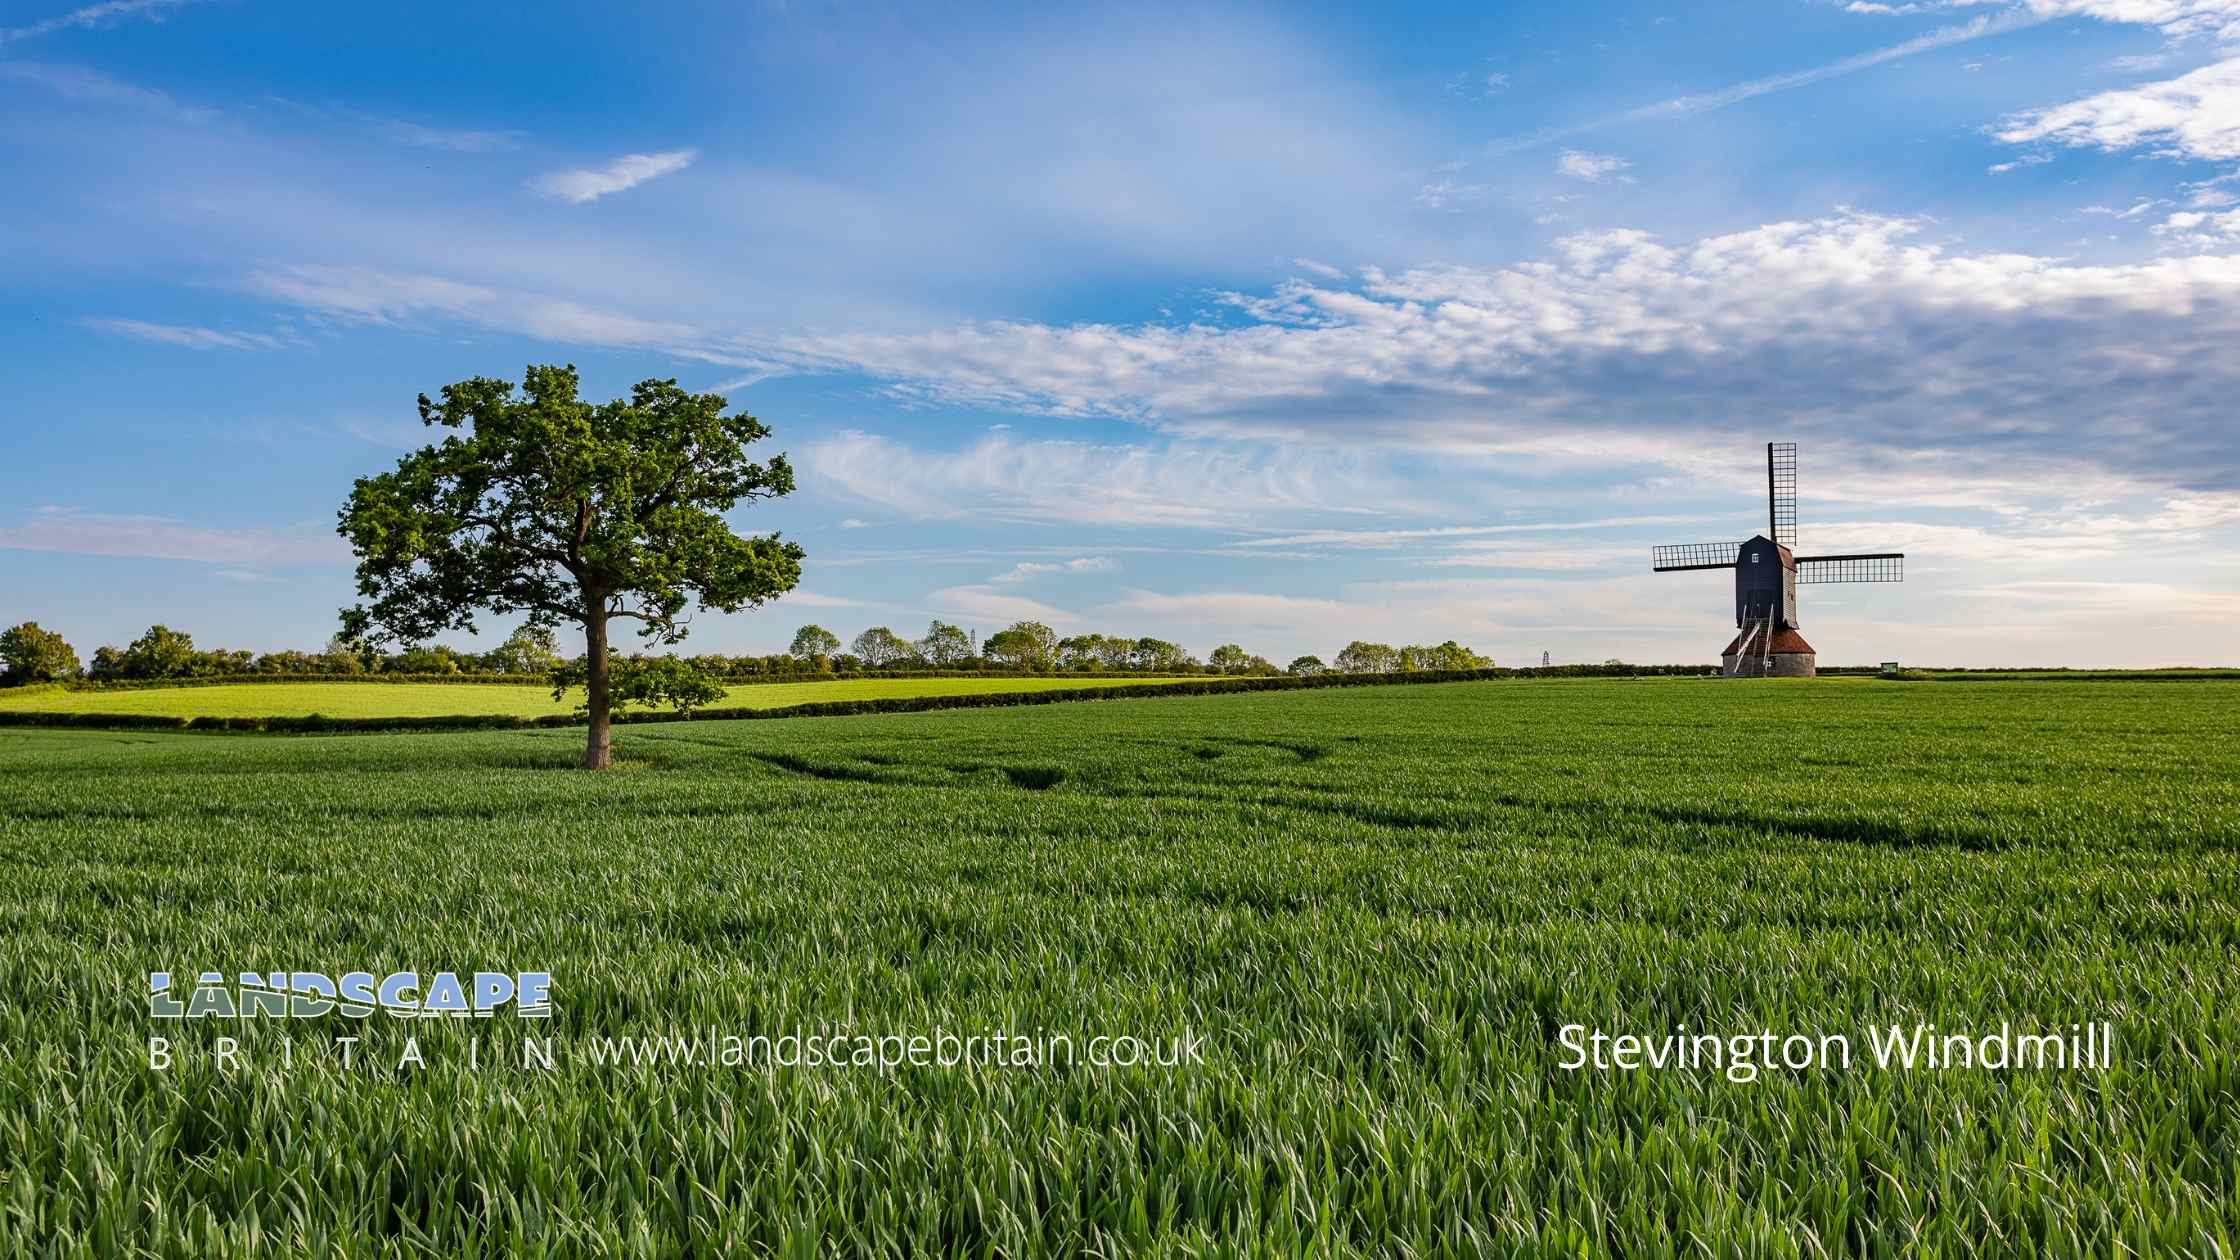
(74, 532)
(1850, 329)
(2201, 229)
(186, 336)
(2178, 19)
(2027, 159)
(591, 183)
(1026, 569)
(2196, 116)
(1591, 167)
(2139, 207)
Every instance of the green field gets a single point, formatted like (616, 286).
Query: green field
(1378, 906)
(390, 700)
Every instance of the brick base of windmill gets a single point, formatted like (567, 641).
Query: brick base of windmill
(1790, 657)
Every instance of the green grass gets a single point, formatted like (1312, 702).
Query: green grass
(389, 700)
(1377, 904)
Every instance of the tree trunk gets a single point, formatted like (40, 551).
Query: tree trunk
(598, 752)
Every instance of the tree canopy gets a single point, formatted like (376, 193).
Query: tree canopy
(1023, 645)
(945, 646)
(810, 642)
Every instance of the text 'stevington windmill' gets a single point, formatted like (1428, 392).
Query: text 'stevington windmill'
(1767, 574)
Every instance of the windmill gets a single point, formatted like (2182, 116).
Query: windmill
(1767, 573)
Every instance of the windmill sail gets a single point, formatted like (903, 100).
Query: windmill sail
(1872, 566)
(1781, 492)
(1678, 556)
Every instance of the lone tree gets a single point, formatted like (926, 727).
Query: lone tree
(569, 511)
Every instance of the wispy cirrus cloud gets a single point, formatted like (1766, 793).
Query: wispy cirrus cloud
(375, 296)
(187, 336)
(585, 184)
(91, 87)
(982, 602)
(93, 16)
(1175, 484)
(1749, 89)
(75, 532)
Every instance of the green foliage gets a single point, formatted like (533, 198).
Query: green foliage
(530, 649)
(1447, 655)
(1158, 654)
(1377, 903)
(1305, 666)
(30, 653)
(540, 503)
(880, 647)
(813, 643)
(1096, 651)
(423, 659)
(945, 646)
(1028, 645)
(665, 683)
(1359, 657)
(162, 652)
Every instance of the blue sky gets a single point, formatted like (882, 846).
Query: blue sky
(1283, 326)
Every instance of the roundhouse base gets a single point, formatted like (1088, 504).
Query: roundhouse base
(1779, 665)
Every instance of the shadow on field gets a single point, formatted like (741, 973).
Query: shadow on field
(1457, 808)
(895, 772)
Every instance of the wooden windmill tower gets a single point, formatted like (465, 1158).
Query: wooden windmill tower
(1767, 573)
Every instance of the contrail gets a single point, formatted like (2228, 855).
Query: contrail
(1703, 102)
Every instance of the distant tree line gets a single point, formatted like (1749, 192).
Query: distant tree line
(31, 654)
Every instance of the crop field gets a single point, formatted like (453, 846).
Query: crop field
(391, 700)
(1376, 907)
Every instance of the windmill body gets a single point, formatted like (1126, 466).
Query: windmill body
(1768, 642)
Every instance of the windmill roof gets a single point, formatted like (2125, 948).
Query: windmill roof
(1785, 641)
(1788, 556)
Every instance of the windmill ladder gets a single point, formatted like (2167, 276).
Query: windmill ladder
(1752, 629)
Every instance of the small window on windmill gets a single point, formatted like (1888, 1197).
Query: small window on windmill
(1755, 556)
